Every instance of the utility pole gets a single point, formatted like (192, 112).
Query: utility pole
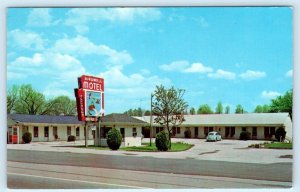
(85, 139)
(151, 121)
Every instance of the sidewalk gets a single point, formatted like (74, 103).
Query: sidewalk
(225, 150)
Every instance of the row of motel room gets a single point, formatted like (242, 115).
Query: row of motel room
(43, 128)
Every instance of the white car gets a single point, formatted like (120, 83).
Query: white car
(213, 136)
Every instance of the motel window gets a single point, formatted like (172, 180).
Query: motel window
(77, 132)
(178, 130)
(36, 131)
(157, 129)
(244, 129)
(205, 131)
(232, 131)
(68, 130)
(272, 131)
(227, 130)
(173, 131)
(267, 132)
(104, 132)
(211, 129)
(254, 131)
(122, 130)
(134, 132)
(196, 131)
(46, 131)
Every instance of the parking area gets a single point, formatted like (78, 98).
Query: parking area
(225, 150)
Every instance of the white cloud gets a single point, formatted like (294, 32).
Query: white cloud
(56, 89)
(269, 94)
(80, 46)
(185, 67)
(289, 73)
(39, 17)
(221, 74)
(175, 66)
(26, 39)
(252, 75)
(14, 75)
(48, 64)
(80, 17)
(198, 68)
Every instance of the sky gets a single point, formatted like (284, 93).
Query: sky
(233, 55)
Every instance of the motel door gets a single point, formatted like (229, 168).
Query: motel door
(13, 135)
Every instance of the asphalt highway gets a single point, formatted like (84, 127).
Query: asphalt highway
(281, 172)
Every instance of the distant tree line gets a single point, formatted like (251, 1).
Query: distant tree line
(26, 100)
(282, 103)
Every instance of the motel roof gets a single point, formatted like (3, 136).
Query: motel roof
(61, 119)
(54, 119)
(231, 119)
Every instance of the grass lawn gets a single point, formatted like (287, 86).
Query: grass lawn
(146, 147)
(279, 145)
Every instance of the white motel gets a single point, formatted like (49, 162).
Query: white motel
(262, 126)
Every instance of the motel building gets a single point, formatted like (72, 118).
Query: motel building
(262, 126)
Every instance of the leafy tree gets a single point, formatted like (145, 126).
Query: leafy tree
(168, 107)
(266, 108)
(219, 108)
(239, 109)
(114, 139)
(30, 101)
(227, 109)
(62, 105)
(283, 103)
(258, 109)
(12, 98)
(147, 113)
(192, 111)
(204, 109)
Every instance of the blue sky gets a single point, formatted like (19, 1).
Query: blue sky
(237, 55)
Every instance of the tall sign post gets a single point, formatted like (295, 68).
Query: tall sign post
(90, 103)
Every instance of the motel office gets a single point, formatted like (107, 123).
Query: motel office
(261, 126)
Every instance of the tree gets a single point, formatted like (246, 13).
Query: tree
(61, 105)
(204, 109)
(30, 101)
(239, 109)
(258, 109)
(192, 111)
(266, 108)
(227, 109)
(283, 103)
(219, 108)
(12, 98)
(147, 113)
(168, 107)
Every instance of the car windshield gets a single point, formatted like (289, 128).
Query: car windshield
(211, 134)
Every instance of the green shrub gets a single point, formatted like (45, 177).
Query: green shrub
(27, 137)
(280, 134)
(71, 138)
(187, 133)
(114, 139)
(162, 141)
(245, 135)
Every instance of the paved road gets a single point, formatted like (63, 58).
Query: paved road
(271, 172)
(38, 176)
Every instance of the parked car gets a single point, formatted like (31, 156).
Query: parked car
(213, 136)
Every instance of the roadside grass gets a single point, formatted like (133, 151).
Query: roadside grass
(146, 147)
(278, 145)
(178, 146)
(273, 145)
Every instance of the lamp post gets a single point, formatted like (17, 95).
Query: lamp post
(151, 121)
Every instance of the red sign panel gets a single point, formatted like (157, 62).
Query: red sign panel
(79, 94)
(91, 83)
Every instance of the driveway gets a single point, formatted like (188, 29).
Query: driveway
(225, 150)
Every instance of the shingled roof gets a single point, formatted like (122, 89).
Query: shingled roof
(231, 119)
(121, 118)
(54, 119)
(60, 119)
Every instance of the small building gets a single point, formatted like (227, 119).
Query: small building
(58, 128)
(261, 126)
